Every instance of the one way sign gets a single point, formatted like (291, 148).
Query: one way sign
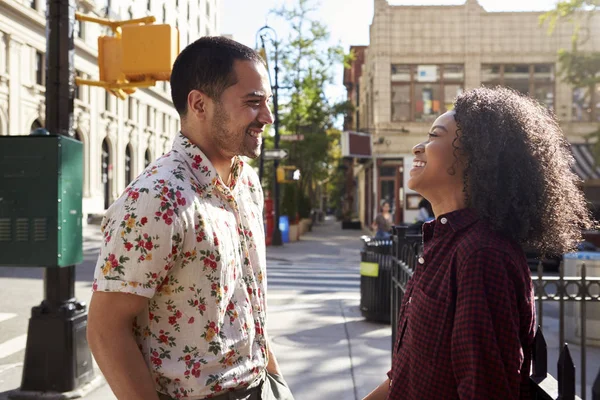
(275, 154)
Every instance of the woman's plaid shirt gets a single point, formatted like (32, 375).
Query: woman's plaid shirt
(467, 321)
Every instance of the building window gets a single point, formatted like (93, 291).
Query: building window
(33, 4)
(128, 165)
(130, 106)
(164, 13)
(535, 80)
(39, 68)
(107, 101)
(147, 158)
(586, 104)
(78, 29)
(423, 92)
(149, 5)
(165, 123)
(149, 116)
(78, 90)
(130, 12)
(208, 9)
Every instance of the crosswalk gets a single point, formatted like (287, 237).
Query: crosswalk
(314, 276)
(319, 277)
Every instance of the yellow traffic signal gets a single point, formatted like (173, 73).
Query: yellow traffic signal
(138, 55)
(110, 55)
(149, 51)
(287, 174)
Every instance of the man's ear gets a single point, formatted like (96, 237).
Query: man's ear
(197, 104)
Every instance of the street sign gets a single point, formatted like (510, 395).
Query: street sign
(275, 154)
(292, 138)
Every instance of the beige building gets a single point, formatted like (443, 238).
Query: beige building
(420, 57)
(119, 137)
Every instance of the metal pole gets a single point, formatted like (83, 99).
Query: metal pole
(57, 357)
(276, 239)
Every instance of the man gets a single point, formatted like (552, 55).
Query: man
(178, 309)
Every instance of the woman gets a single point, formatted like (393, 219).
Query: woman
(497, 173)
(383, 221)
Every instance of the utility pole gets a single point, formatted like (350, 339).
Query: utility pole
(57, 357)
(276, 239)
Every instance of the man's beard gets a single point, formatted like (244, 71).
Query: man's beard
(228, 141)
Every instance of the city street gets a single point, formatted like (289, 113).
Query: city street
(325, 348)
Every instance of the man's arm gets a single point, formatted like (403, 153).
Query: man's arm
(113, 345)
(273, 365)
(380, 393)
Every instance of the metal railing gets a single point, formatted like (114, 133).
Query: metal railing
(404, 253)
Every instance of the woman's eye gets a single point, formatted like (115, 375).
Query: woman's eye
(432, 134)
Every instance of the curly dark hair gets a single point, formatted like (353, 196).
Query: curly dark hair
(518, 173)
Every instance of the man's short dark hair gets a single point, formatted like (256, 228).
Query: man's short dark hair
(207, 65)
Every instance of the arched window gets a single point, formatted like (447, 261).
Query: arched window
(36, 125)
(106, 172)
(147, 159)
(128, 165)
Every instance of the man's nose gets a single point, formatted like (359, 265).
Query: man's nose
(266, 116)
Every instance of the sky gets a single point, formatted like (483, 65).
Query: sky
(348, 21)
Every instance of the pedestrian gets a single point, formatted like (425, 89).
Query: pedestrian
(178, 309)
(496, 170)
(382, 224)
(425, 211)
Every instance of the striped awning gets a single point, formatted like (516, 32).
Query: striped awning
(584, 166)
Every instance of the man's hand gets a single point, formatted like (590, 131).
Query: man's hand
(112, 343)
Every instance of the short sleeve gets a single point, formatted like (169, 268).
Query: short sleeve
(142, 241)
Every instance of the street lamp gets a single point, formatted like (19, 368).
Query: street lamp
(268, 33)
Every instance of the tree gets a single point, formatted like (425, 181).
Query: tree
(578, 67)
(307, 62)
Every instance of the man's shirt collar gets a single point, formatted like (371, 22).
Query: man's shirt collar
(202, 168)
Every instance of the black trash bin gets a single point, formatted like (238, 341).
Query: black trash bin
(376, 279)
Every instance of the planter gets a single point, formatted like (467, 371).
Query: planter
(294, 232)
(305, 223)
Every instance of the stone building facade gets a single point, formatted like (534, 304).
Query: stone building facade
(420, 57)
(120, 137)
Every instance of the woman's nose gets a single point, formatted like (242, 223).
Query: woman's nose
(418, 149)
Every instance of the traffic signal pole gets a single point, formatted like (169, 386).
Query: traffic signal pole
(57, 357)
(276, 239)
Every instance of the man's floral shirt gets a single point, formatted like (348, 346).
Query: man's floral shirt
(195, 248)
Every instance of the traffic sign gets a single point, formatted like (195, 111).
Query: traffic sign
(275, 154)
(292, 138)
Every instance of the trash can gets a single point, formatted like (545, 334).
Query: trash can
(573, 263)
(376, 279)
(284, 227)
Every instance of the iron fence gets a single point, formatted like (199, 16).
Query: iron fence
(401, 255)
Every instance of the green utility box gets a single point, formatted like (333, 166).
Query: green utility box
(41, 183)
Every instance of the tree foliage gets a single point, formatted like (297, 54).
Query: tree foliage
(577, 67)
(307, 63)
